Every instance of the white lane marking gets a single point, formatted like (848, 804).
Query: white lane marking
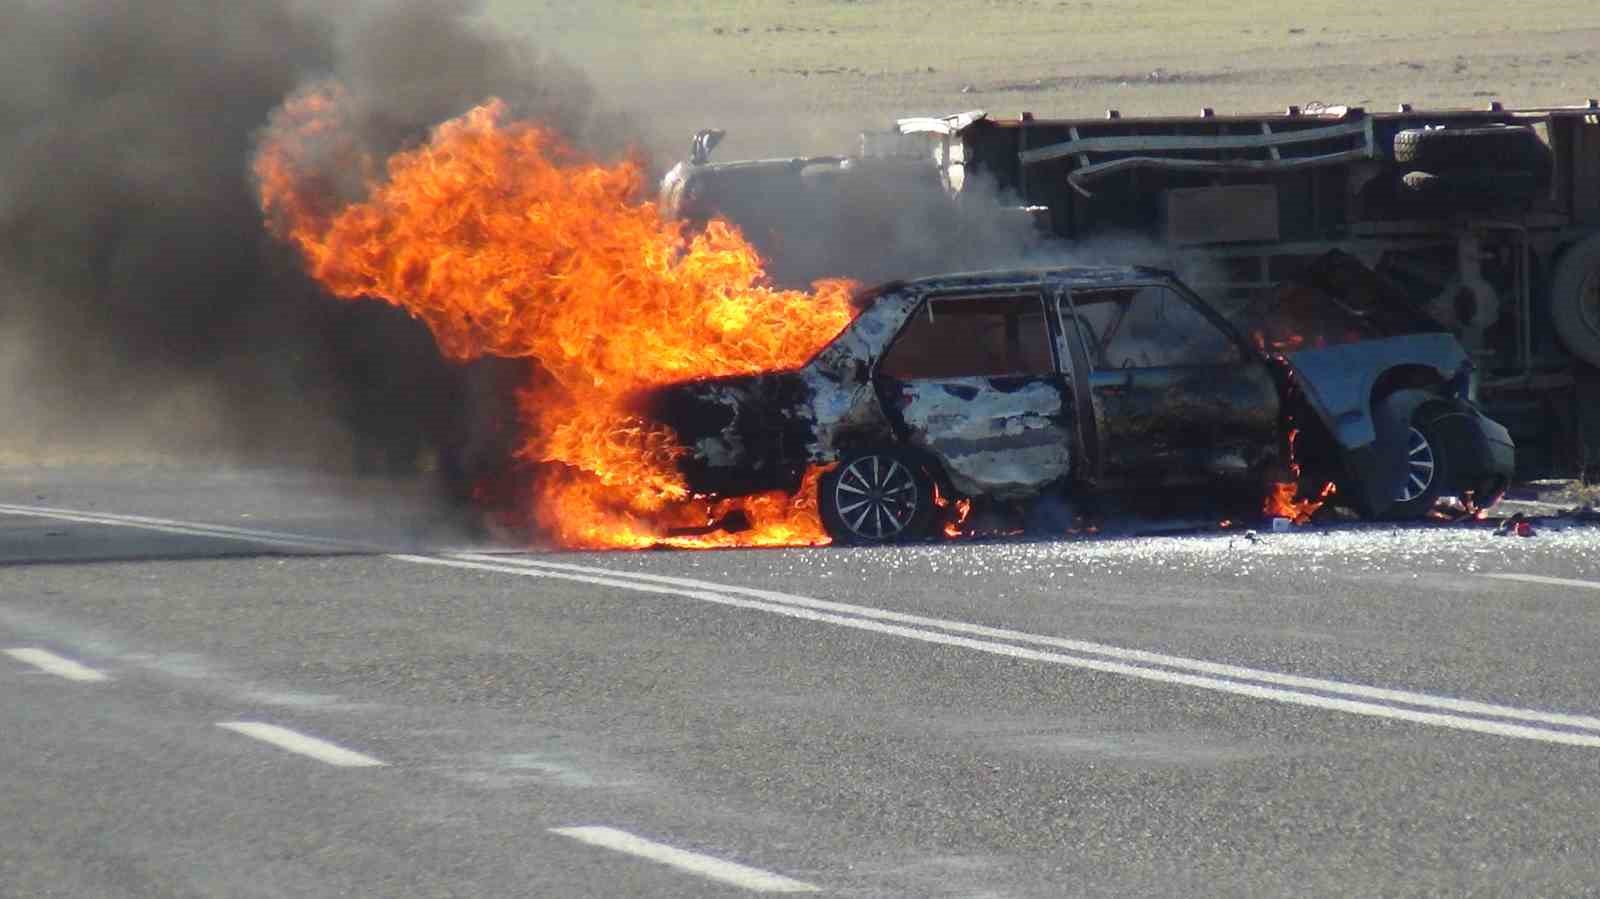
(51, 663)
(191, 529)
(294, 741)
(1547, 581)
(1160, 675)
(785, 604)
(1083, 647)
(706, 866)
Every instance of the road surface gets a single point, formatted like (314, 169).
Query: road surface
(262, 685)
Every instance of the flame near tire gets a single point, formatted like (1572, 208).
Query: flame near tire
(506, 242)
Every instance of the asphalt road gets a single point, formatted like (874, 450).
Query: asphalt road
(1359, 712)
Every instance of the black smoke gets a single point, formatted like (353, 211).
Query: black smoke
(144, 307)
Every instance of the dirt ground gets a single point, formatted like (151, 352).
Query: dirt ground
(805, 76)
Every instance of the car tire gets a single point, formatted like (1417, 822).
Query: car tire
(1575, 300)
(876, 496)
(1428, 469)
(1505, 148)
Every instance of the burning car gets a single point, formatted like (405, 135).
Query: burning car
(1009, 385)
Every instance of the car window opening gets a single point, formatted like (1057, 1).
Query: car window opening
(1151, 327)
(963, 337)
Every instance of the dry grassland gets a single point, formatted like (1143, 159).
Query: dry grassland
(792, 76)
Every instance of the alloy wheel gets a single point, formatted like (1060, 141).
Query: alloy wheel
(1420, 465)
(876, 497)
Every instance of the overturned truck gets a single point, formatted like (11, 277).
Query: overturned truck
(1308, 227)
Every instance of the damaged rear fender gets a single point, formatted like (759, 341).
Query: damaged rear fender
(1339, 382)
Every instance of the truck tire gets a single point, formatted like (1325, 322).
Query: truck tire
(1575, 300)
(1469, 191)
(1505, 148)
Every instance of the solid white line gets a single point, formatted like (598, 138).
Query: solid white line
(1233, 672)
(1160, 675)
(1226, 678)
(188, 528)
(1548, 581)
(51, 663)
(704, 865)
(294, 741)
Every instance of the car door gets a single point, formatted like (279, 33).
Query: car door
(1174, 396)
(972, 380)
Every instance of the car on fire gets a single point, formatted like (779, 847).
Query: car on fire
(1011, 385)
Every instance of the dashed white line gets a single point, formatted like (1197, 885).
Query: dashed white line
(51, 663)
(706, 866)
(294, 741)
(1239, 687)
(1547, 581)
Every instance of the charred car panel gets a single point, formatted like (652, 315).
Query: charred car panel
(743, 434)
(845, 412)
(999, 437)
(1177, 396)
(1185, 425)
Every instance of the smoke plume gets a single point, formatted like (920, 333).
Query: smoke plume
(143, 308)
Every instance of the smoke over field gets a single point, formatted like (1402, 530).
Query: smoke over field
(143, 309)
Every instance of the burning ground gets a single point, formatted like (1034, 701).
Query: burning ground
(506, 242)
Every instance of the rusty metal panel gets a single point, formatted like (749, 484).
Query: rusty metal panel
(1243, 212)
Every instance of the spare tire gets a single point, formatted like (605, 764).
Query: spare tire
(1486, 147)
(1575, 300)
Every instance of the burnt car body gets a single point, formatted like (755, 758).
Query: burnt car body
(1008, 385)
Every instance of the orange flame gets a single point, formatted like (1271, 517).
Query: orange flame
(1282, 501)
(505, 242)
(957, 523)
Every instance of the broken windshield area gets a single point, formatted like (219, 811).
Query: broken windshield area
(1148, 327)
(961, 337)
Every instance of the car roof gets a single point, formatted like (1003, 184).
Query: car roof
(1066, 276)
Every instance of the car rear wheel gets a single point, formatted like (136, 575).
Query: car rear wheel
(1427, 471)
(877, 496)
